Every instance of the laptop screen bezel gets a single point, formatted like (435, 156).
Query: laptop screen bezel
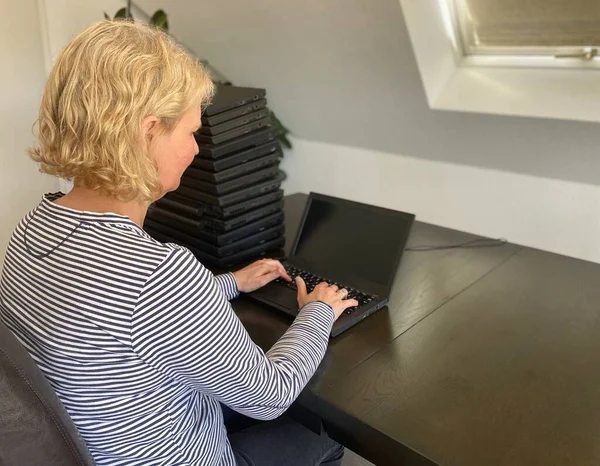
(362, 284)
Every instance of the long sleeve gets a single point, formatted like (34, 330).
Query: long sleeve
(184, 327)
(228, 285)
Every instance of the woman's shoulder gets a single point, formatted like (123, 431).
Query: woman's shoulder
(135, 241)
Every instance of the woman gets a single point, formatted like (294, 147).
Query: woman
(137, 338)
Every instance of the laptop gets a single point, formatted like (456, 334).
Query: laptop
(225, 213)
(191, 180)
(223, 239)
(234, 133)
(238, 170)
(233, 113)
(193, 226)
(245, 142)
(270, 248)
(271, 147)
(235, 247)
(224, 226)
(216, 238)
(235, 197)
(352, 245)
(234, 123)
(197, 209)
(228, 97)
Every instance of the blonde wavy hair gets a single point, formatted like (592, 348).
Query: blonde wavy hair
(105, 82)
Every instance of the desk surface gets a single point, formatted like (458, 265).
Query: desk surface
(483, 357)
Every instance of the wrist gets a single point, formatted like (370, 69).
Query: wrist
(236, 277)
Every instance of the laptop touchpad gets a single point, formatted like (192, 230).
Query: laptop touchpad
(280, 296)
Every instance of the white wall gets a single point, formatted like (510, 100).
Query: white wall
(21, 84)
(63, 19)
(554, 215)
(60, 21)
(342, 74)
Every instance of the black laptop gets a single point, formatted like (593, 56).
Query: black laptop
(238, 170)
(349, 244)
(233, 113)
(232, 161)
(197, 209)
(234, 133)
(224, 200)
(266, 249)
(234, 123)
(227, 97)
(241, 143)
(191, 179)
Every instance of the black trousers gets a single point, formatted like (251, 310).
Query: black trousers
(281, 442)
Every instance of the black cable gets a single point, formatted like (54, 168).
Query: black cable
(474, 243)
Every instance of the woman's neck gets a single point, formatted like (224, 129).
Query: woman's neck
(93, 201)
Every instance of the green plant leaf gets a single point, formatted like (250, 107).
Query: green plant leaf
(121, 14)
(159, 19)
(106, 17)
(285, 141)
(282, 131)
(280, 126)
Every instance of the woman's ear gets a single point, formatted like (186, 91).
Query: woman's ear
(149, 127)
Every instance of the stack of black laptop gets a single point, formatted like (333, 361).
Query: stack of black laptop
(228, 209)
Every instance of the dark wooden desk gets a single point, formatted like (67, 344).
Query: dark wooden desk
(506, 373)
(484, 357)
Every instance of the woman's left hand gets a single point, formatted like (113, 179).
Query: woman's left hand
(258, 274)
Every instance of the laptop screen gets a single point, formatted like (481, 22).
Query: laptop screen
(356, 244)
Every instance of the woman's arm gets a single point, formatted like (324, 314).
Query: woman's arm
(185, 328)
(228, 285)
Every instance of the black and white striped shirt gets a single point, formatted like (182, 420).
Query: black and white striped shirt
(139, 340)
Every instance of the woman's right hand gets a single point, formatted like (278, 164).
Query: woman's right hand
(329, 294)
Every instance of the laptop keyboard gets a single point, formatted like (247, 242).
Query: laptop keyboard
(312, 280)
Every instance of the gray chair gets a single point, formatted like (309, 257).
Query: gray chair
(35, 428)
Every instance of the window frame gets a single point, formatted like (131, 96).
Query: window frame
(547, 57)
(506, 85)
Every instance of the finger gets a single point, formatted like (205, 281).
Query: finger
(349, 303)
(322, 285)
(301, 287)
(343, 292)
(268, 278)
(275, 265)
(283, 272)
